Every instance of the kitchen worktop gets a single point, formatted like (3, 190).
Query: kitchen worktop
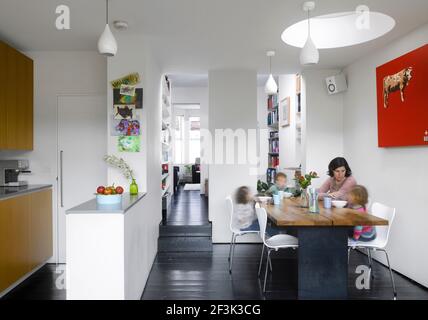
(11, 192)
(91, 206)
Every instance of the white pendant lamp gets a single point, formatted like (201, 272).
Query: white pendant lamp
(107, 44)
(271, 87)
(309, 54)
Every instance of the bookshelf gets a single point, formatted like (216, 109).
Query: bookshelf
(273, 125)
(166, 154)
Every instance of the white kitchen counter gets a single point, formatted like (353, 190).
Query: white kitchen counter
(107, 248)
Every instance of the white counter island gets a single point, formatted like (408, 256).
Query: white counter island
(107, 253)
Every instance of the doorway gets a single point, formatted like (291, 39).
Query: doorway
(82, 144)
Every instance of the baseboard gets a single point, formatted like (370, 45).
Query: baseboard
(22, 279)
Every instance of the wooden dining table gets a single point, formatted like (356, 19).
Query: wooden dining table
(323, 245)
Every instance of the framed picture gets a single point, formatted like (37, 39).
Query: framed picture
(402, 100)
(284, 107)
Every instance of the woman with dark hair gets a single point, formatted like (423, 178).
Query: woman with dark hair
(340, 182)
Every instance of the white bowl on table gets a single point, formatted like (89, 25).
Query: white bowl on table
(287, 195)
(264, 199)
(339, 203)
(112, 199)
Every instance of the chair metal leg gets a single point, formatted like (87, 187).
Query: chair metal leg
(261, 260)
(233, 253)
(270, 264)
(349, 251)
(369, 255)
(267, 269)
(390, 273)
(230, 248)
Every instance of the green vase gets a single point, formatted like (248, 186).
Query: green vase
(133, 188)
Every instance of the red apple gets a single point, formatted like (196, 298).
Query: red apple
(119, 190)
(100, 189)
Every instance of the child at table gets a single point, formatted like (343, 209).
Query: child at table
(280, 184)
(245, 217)
(358, 198)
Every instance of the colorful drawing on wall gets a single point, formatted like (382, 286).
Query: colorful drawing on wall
(285, 112)
(128, 144)
(402, 100)
(127, 128)
(136, 100)
(131, 79)
(126, 111)
(127, 90)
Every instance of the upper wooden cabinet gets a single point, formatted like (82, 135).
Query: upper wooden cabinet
(16, 99)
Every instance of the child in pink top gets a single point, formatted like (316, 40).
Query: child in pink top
(358, 198)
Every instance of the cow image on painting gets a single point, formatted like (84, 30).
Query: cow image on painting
(396, 82)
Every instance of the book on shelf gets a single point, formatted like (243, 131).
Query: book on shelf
(272, 102)
(274, 146)
(270, 175)
(273, 161)
(273, 135)
(273, 118)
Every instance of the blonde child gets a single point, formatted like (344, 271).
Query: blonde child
(280, 184)
(358, 198)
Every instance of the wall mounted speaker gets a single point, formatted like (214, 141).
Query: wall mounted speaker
(336, 84)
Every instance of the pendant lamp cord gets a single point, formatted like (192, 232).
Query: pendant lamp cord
(309, 24)
(106, 11)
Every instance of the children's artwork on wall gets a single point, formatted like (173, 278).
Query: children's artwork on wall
(126, 111)
(402, 100)
(131, 79)
(126, 128)
(127, 90)
(128, 144)
(285, 112)
(136, 99)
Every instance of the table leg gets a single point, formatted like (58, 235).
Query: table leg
(323, 263)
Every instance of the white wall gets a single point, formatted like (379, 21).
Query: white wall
(394, 176)
(289, 148)
(322, 117)
(196, 95)
(233, 105)
(134, 56)
(56, 73)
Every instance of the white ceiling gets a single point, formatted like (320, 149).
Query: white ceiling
(193, 36)
(187, 80)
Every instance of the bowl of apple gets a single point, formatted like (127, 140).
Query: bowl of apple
(109, 194)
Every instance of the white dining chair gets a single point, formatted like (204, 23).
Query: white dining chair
(378, 244)
(236, 232)
(276, 242)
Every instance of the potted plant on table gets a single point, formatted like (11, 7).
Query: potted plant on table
(304, 181)
(126, 170)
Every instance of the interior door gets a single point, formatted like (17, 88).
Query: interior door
(82, 144)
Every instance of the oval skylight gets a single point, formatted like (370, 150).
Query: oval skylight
(339, 29)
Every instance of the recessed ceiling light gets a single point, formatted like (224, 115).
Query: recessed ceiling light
(339, 29)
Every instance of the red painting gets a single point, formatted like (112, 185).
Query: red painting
(402, 100)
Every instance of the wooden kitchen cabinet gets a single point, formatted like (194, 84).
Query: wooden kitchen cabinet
(16, 99)
(40, 227)
(25, 235)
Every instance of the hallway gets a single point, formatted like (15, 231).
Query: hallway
(188, 208)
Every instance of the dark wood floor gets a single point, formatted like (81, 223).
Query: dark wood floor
(195, 276)
(188, 208)
(205, 276)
